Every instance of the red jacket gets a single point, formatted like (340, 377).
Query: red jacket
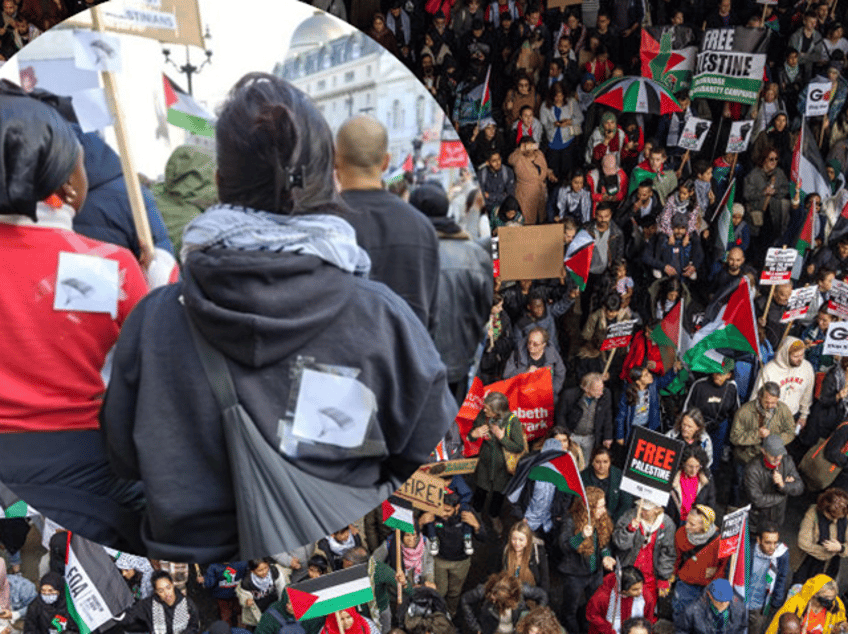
(640, 352)
(596, 610)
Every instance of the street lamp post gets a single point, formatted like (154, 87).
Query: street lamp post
(189, 69)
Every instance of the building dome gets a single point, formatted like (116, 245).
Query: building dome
(316, 31)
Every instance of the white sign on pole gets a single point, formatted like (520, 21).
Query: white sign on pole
(836, 339)
(837, 303)
(799, 303)
(778, 266)
(97, 51)
(740, 136)
(818, 98)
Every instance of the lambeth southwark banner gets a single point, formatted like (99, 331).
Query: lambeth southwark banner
(730, 64)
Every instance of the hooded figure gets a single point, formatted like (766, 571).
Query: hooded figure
(796, 382)
(61, 317)
(188, 190)
(799, 605)
(48, 613)
(340, 386)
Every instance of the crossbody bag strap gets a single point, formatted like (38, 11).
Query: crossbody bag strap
(215, 367)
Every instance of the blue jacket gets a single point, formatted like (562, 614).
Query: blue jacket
(106, 214)
(223, 578)
(624, 418)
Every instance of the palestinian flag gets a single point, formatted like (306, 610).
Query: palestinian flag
(397, 514)
(330, 593)
(12, 506)
(485, 107)
(184, 112)
(808, 170)
(668, 55)
(95, 590)
(724, 233)
(735, 327)
(59, 623)
(740, 575)
(641, 172)
(562, 472)
(805, 238)
(408, 164)
(669, 332)
(578, 258)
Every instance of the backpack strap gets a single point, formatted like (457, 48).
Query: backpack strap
(215, 367)
(277, 616)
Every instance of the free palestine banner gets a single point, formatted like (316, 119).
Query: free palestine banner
(730, 64)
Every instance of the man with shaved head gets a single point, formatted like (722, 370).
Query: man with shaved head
(401, 241)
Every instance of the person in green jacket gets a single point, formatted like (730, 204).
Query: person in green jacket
(500, 430)
(189, 189)
(603, 474)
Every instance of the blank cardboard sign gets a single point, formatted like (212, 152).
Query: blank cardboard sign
(530, 253)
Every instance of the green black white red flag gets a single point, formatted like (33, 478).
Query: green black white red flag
(397, 514)
(184, 112)
(95, 590)
(330, 593)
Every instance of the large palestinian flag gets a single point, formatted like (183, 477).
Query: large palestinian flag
(184, 112)
(95, 590)
(734, 328)
(668, 55)
(805, 238)
(740, 573)
(330, 593)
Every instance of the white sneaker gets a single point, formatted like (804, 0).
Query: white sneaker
(434, 546)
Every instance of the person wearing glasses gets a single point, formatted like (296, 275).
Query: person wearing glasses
(536, 354)
(767, 193)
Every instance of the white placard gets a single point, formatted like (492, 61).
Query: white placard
(818, 98)
(333, 410)
(694, 133)
(97, 51)
(836, 339)
(739, 137)
(799, 303)
(837, 303)
(87, 283)
(91, 109)
(778, 266)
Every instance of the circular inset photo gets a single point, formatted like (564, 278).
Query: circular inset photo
(243, 290)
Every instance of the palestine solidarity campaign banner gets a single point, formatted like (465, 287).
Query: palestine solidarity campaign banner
(730, 64)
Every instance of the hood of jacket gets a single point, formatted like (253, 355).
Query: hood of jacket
(259, 308)
(102, 163)
(190, 175)
(782, 356)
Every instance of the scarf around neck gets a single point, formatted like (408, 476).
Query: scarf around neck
(413, 558)
(262, 584)
(325, 236)
(339, 548)
(699, 539)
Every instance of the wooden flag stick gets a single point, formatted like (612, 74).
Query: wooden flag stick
(339, 621)
(609, 360)
(139, 212)
(399, 563)
(768, 301)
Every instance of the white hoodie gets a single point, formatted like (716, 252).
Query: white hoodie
(796, 384)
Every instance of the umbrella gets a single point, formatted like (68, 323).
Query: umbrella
(636, 94)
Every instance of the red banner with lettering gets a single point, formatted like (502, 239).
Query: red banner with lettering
(531, 398)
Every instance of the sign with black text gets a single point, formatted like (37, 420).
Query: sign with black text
(778, 266)
(739, 137)
(694, 132)
(732, 527)
(818, 98)
(730, 64)
(651, 463)
(799, 303)
(836, 339)
(837, 304)
(618, 334)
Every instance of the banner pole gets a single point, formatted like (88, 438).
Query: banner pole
(139, 212)
(609, 360)
(768, 301)
(399, 563)
(339, 621)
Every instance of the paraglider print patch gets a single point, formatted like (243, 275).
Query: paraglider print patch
(86, 283)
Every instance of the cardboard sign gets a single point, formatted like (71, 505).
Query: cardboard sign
(618, 334)
(694, 133)
(530, 253)
(818, 98)
(450, 468)
(837, 304)
(778, 266)
(652, 461)
(732, 529)
(425, 491)
(739, 137)
(836, 339)
(799, 303)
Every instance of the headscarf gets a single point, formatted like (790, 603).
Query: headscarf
(38, 152)
(413, 558)
(360, 625)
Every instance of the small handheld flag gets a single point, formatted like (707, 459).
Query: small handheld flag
(330, 593)
(397, 514)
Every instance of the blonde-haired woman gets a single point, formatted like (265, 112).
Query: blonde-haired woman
(525, 558)
(586, 548)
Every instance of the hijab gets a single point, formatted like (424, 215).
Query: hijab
(360, 625)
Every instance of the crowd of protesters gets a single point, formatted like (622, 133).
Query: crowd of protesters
(24, 20)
